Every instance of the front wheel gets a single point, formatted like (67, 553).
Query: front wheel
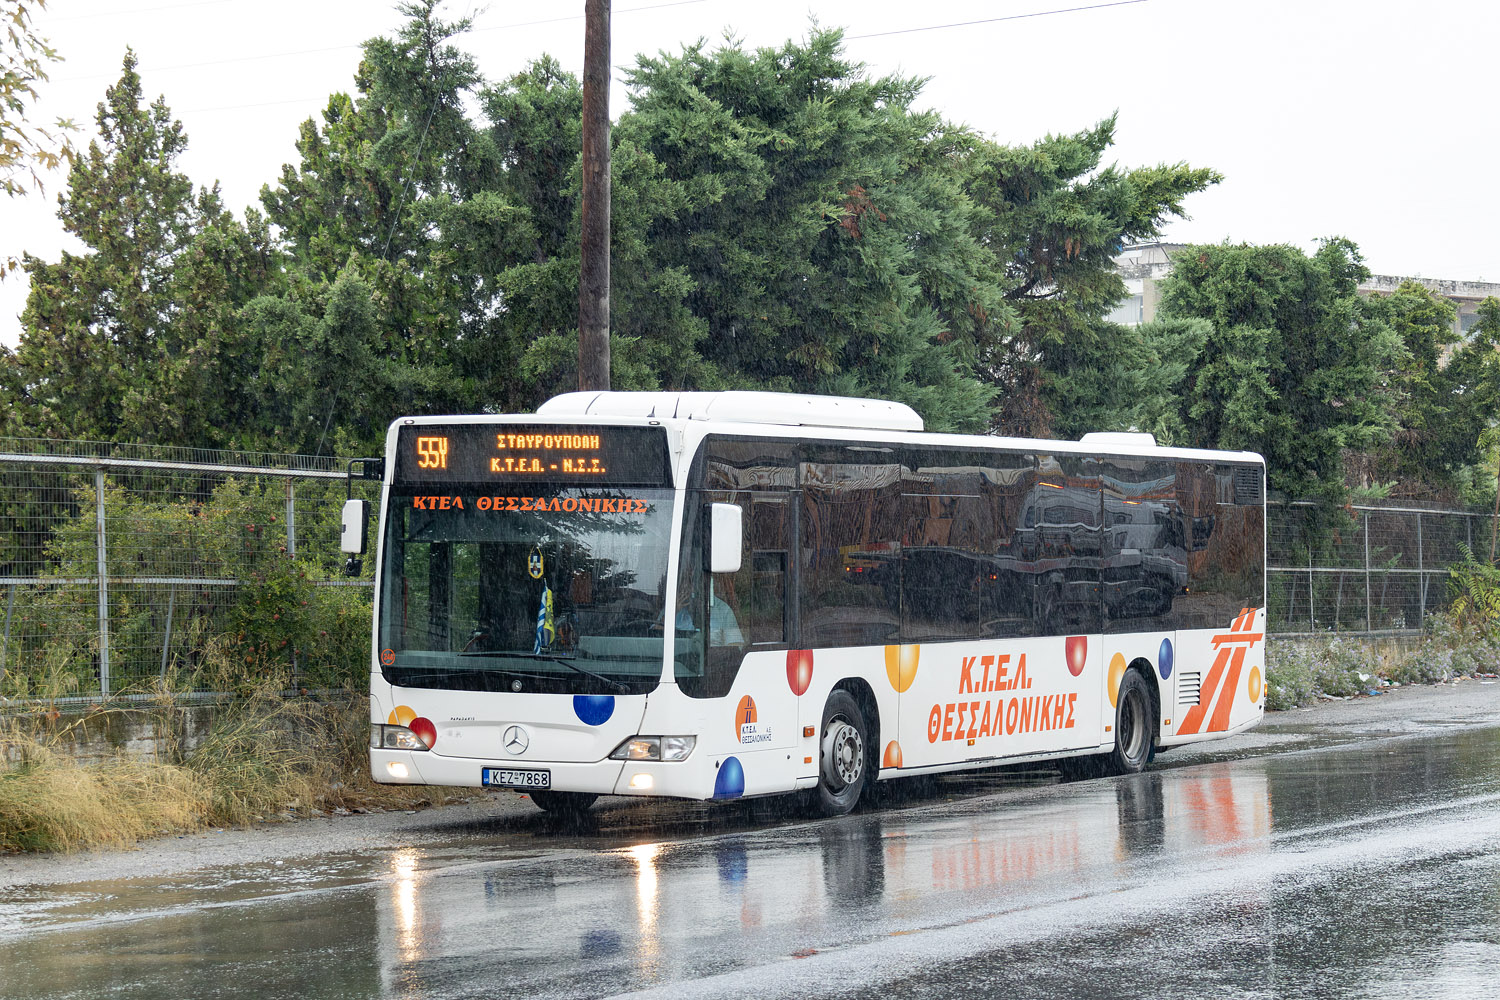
(563, 803)
(1135, 727)
(844, 756)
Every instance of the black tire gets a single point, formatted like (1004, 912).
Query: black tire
(1135, 727)
(563, 803)
(845, 756)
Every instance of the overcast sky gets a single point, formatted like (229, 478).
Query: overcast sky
(1362, 118)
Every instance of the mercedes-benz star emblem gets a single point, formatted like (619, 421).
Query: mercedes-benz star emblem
(515, 740)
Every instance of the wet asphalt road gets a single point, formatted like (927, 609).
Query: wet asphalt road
(1304, 862)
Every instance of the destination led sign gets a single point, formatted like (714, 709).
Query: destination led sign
(477, 453)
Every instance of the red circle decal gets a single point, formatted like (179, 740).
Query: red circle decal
(387, 656)
(799, 666)
(1078, 651)
(425, 730)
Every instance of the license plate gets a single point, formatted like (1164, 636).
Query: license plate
(513, 777)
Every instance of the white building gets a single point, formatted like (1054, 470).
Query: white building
(1145, 265)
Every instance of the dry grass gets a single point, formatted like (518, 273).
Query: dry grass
(264, 757)
(51, 802)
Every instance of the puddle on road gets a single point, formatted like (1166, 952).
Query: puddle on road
(614, 826)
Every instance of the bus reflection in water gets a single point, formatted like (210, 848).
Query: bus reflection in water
(507, 922)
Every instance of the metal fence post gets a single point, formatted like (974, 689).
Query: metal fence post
(166, 642)
(1312, 614)
(291, 520)
(99, 550)
(1368, 615)
(10, 609)
(1422, 574)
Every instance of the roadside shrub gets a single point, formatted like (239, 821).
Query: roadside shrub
(1298, 671)
(1434, 664)
(1475, 589)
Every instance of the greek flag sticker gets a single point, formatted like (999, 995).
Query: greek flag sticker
(545, 630)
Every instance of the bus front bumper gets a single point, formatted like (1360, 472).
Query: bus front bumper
(604, 777)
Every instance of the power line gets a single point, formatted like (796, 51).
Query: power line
(579, 17)
(993, 20)
(133, 10)
(339, 48)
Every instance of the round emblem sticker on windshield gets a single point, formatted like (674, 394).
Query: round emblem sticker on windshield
(387, 656)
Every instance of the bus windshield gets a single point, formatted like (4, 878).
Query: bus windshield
(525, 587)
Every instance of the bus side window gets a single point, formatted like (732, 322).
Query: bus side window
(722, 616)
(767, 538)
(850, 572)
(945, 569)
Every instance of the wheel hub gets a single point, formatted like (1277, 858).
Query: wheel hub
(843, 755)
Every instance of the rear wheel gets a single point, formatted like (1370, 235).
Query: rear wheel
(563, 803)
(844, 756)
(1135, 727)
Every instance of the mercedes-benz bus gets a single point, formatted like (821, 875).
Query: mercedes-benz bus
(717, 595)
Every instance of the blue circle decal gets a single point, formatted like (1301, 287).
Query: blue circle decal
(730, 781)
(1164, 659)
(594, 709)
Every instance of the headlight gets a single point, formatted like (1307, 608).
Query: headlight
(394, 738)
(655, 748)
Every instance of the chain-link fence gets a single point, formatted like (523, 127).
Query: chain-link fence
(1368, 569)
(121, 565)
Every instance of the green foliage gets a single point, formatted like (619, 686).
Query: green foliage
(26, 151)
(1299, 671)
(1295, 366)
(282, 616)
(123, 342)
(1475, 589)
(1054, 220)
(1448, 393)
(278, 619)
(781, 220)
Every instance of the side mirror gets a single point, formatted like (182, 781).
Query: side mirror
(354, 530)
(726, 537)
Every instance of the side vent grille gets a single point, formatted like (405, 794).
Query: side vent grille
(1188, 688)
(1247, 487)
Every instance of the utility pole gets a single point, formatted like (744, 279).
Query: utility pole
(593, 278)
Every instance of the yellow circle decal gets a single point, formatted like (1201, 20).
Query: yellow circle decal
(901, 666)
(1255, 684)
(1116, 675)
(402, 715)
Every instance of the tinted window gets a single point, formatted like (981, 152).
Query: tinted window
(1144, 565)
(850, 558)
(722, 616)
(960, 573)
(747, 464)
(1060, 522)
(945, 565)
(1225, 544)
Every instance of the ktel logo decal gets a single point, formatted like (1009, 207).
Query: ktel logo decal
(748, 730)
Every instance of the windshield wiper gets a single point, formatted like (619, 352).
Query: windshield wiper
(566, 661)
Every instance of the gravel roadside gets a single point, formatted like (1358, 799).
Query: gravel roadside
(1406, 710)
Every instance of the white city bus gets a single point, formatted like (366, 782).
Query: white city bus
(715, 595)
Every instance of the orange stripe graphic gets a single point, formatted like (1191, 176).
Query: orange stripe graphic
(1194, 719)
(1220, 720)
